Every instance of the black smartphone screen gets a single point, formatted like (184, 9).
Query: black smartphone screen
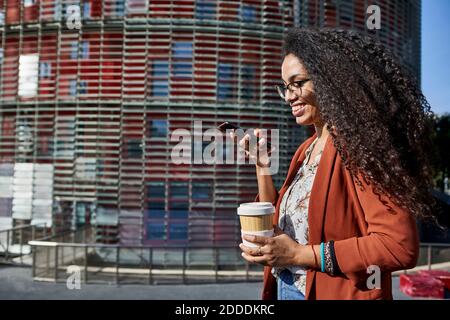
(229, 126)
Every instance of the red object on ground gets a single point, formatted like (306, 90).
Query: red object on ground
(442, 275)
(421, 285)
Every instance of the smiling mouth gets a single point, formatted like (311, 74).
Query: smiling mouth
(298, 110)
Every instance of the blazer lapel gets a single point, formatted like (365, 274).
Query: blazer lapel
(318, 199)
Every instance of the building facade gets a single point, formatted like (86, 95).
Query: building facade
(88, 108)
(400, 23)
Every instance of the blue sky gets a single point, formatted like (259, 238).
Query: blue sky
(436, 54)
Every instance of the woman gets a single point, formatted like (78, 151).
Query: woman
(345, 216)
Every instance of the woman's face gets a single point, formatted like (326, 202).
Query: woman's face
(303, 105)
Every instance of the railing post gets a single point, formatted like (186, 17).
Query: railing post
(216, 264)
(429, 256)
(33, 262)
(33, 232)
(7, 245)
(85, 264)
(56, 263)
(150, 265)
(184, 265)
(21, 245)
(117, 264)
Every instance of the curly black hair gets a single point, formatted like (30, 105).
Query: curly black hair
(381, 122)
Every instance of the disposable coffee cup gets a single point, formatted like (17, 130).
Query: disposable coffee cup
(256, 219)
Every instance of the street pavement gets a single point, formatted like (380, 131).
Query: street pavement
(16, 283)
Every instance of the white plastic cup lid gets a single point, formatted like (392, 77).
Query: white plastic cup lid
(255, 209)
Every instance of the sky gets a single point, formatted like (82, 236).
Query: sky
(436, 54)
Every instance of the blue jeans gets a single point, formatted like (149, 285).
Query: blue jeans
(286, 290)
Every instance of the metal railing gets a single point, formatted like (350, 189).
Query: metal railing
(100, 263)
(14, 241)
(118, 264)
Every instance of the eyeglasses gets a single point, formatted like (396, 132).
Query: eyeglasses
(293, 86)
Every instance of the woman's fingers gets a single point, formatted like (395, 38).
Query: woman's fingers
(251, 251)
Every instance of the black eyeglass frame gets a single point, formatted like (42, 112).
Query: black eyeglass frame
(281, 88)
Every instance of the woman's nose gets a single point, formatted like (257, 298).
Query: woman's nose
(289, 96)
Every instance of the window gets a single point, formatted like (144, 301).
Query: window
(202, 191)
(156, 209)
(156, 190)
(57, 10)
(178, 231)
(248, 86)
(182, 50)
(119, 8)
(83, 87)
(2, 18)
(29, 3)
(225, 72)
(205, 9)
(156, 231)
(160, 82)
(85, 50)
(182, 69)
(74, 50)
(179, 190)
(73, 87)
(28, 75)
(158, 128)
(248, 13)
(85, 168)
(1, 55)
(45, 70)
(134, 148)
(86, 10)
(6, 205)
(182, 54)
(178, 210)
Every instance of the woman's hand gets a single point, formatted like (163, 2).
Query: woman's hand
(279, 251)
(258, 154)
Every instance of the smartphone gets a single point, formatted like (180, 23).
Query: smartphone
(229, 126)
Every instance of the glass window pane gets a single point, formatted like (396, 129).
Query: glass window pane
(160, 81)
(45, 70)
(202, 191)
(85, 49)
(248, 77)
(133, 148)
(182, 50)
(156, 190)
(179, 190)
(86, 10)
(225, 72)
(182, 69)
(156, 209)
(178, 231)
(179, 210)
(156, 231)
(205, 9)
(74, 50)
(73, 87)
(248, 13)
(158, 128)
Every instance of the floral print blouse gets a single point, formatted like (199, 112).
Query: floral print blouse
(293, 219)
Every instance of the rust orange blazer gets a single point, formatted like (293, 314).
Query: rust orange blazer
(365, 233)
